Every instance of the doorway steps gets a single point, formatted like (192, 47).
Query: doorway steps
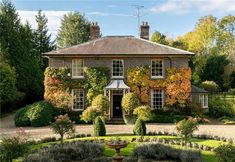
(115, 121)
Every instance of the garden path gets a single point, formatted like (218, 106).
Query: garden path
(7, 127)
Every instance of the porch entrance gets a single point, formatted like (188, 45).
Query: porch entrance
(117, 106)
(115, 91)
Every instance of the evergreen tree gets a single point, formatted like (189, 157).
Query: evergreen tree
(17, 41)
(43, 39)
(75, 29)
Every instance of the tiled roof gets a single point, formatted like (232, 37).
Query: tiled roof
(112, 45)
(196, 89)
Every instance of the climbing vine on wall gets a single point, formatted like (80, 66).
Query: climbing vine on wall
(58, 85)
(177, 84)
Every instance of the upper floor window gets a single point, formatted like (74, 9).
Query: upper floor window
(157, 98)
(203, 100)
(77, 68)
(78, 99)
(157, 68)
(118, 68)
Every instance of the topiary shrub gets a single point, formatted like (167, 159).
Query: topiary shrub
(129, 102)
(21, 118)
(38, 114)
(99, 127)
(210, 86)
(225, 153)
(102, 103)
(219, 108)
(143, 113)
(139, 128)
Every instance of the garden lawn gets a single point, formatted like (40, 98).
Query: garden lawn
(208, 156)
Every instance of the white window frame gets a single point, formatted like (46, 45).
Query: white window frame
(152, 98)
(74, 98)
(159, 76)
(203, 100)
(122, 68)
(77, 76)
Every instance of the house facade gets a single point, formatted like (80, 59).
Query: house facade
(121, 54)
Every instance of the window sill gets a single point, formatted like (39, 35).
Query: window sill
(157, 77)
(77, 77)
(117, 77)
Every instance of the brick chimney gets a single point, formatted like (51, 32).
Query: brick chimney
(95, 30)
(144, 30)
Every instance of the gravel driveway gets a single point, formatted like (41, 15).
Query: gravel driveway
(7, 128)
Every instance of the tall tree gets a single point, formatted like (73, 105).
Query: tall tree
(75, 29)
(42, 38)
(17, 41)
(214, 69)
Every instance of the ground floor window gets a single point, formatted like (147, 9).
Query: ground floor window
(157, 98)
(203, 100)
(78, 99)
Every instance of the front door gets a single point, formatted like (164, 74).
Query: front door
(117, 109)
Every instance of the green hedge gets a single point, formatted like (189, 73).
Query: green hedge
(220, 108)
(166, 118)
(38, 114)
(99, 127)
(139, 127)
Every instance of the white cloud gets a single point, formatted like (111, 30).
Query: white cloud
(54, 18)
(184, 6)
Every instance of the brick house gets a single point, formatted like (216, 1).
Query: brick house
(120, 53)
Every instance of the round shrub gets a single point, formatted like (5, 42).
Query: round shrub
(219, 108)
(40, 114)
(21, 118)
(139, 128)
(210, 86)
(101, 102)
(99, 127)
(143, 113)
(37, 114)
(129, 102)
(90, 114)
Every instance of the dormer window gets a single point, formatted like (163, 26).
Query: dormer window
(77, 68)
(157, 69)
(117, 68)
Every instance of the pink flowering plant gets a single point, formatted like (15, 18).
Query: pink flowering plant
(63, 125)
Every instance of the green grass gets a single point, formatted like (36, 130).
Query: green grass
(208, 156)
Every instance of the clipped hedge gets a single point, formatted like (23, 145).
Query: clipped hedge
(38, 114)
(166, 118)
(99, 127)
(140, 127)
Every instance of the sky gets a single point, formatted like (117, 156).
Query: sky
(119, 17)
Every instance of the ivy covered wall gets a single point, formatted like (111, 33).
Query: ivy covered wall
(177, 84)
(58, 85)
